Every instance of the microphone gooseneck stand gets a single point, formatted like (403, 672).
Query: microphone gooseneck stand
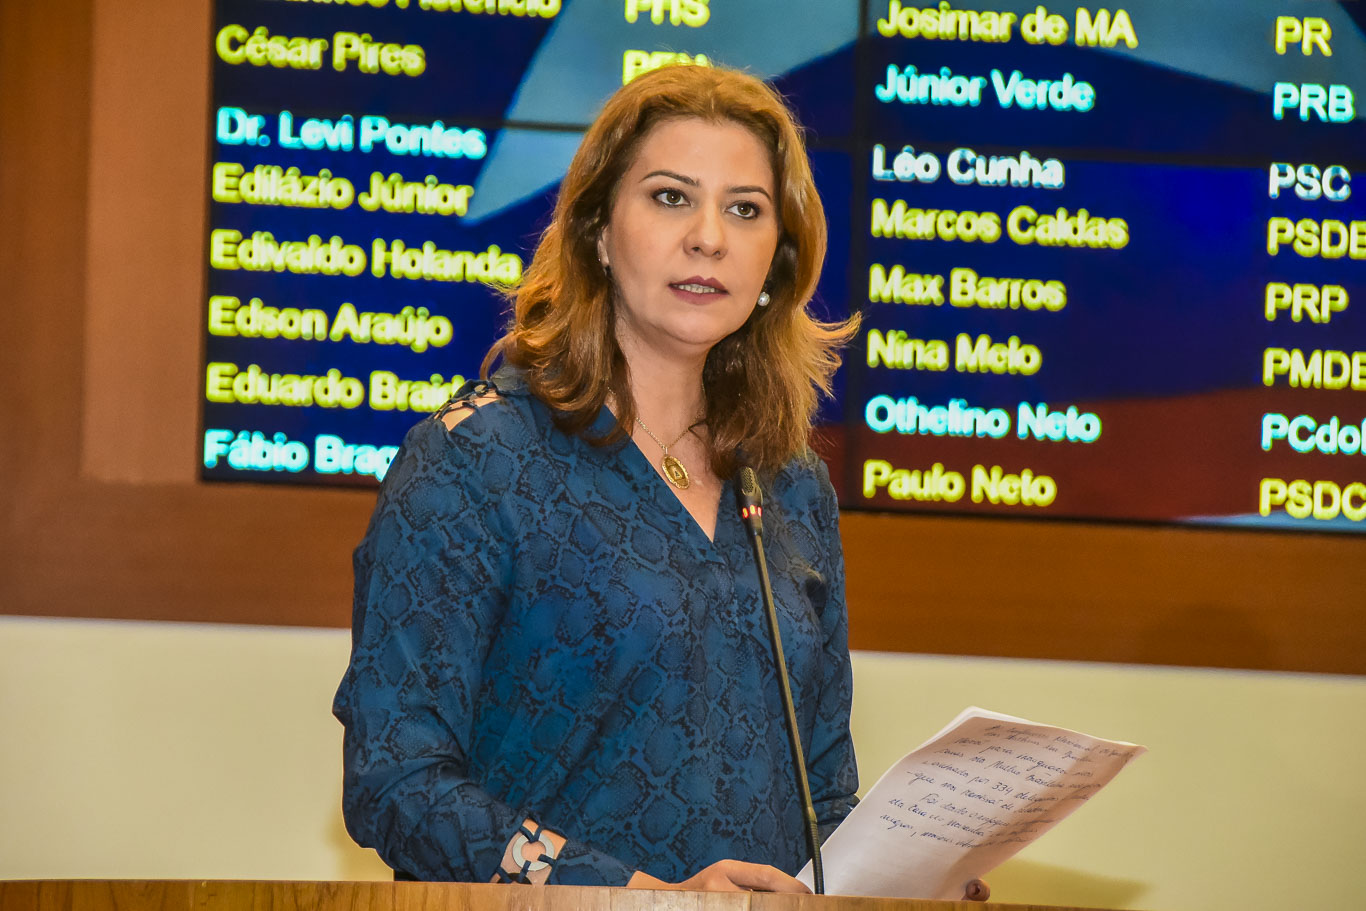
(750, 500)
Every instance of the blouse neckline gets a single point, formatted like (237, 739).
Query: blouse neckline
(634, 467)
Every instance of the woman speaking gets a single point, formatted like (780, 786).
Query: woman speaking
(560, 670)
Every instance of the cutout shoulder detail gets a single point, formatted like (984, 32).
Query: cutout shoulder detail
(466, 400)
(457, 411)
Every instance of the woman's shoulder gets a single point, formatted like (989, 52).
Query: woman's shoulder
(803, 482)
(499, 409)
(805, 467)
(494, 419)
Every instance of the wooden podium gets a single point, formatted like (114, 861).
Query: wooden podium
(211, 895)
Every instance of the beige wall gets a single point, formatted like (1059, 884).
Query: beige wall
(203, 751)
(1250, 798)
(180, 751)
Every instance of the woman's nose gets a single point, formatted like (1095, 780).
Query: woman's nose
(707, 233)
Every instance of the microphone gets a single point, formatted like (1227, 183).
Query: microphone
(750, 500)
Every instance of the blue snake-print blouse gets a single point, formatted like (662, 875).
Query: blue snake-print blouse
(542, 631)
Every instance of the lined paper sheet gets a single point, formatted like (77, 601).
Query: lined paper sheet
(966, 800)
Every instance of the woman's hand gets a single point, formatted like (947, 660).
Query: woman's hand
(726, 876)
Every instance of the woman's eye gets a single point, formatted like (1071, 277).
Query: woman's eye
(746, 209)
(671, 197)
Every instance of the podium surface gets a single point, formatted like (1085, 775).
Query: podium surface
(241, 895)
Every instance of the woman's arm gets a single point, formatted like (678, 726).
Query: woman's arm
(830, 755)
(431, 582)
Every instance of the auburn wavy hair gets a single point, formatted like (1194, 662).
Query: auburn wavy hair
(760, 383)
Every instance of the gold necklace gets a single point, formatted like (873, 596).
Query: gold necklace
(673, 469)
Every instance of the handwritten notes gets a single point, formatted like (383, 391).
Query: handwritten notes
(966, 800)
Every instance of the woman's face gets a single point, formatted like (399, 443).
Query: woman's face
(691, 237)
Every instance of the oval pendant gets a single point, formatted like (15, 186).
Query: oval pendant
(675, 472)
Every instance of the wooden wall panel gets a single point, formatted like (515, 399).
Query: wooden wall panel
(1107, 592)
(145, 306)
(100, 516)
(106, 359)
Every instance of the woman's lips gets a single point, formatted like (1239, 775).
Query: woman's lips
(697, 288)
(696, 293)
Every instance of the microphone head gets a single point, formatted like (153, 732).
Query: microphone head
(749, 485)
(749, 498)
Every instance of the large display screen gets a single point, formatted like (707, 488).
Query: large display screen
(1105, 257)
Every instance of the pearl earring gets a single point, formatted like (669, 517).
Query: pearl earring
(764, 299)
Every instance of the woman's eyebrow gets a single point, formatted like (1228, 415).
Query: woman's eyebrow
(755, 189)
(692, 182)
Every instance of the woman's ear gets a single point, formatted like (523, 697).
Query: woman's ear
(602, 248)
